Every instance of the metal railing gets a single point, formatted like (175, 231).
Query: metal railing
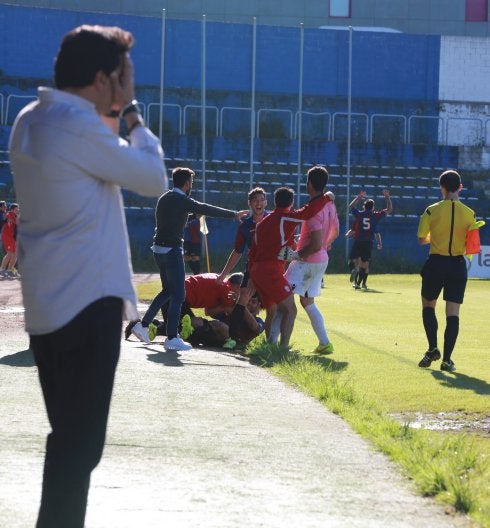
(325, 126)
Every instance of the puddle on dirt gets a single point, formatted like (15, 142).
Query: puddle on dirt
(446, 421)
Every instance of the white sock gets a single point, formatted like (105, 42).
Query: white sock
(317, 323)
(275, 328)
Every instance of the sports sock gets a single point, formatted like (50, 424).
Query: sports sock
(450, 336)
(195, 266)
(430, 325)
(360, 276)
(275, 328)
(317, 323)
(236, 319)
(364, 279)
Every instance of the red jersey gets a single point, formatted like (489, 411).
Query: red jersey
(202, 291)
(8, 230)
(277, 229)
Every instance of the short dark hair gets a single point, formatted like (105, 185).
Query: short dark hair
(180, 175)
(255, 191)
(369, 204)
(450, 180)
(236, 278)
(318, 177)
(87, 50)
(283, 197)
(13, 206)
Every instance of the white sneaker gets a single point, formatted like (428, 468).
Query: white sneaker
(176, 343)
(141, 333)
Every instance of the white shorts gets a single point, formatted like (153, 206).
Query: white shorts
(305, 278)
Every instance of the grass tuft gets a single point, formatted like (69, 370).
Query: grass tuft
(379, 339)
(447, 467)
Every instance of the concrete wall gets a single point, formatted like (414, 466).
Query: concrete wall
(410, 16)
(463, 87)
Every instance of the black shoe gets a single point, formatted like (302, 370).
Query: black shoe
(430, 356)
(129, 328)
(448, 366)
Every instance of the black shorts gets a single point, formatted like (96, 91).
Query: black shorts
(361, 249)
(448, 273)
(192, 249)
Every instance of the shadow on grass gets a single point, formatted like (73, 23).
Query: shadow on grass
(24, 358)
(328, 363)
(371, 290)
(462, 381)
(268, 355)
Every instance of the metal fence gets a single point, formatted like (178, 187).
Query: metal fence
(283, 123)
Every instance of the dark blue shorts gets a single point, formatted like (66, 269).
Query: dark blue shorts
(444, 273)
(361, 249)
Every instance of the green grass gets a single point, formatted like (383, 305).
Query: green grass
(373, 374)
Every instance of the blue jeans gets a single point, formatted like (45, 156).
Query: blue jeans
(172, 275)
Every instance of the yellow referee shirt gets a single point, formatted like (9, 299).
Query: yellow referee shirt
(447, 222)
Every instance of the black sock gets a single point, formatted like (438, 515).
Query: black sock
(236, 319)
(364, 279)
(195, 266)
(360, 276)
(430, 324)
(450, 336)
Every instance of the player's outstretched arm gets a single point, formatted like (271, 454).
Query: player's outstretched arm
(230, 264)
(389, 205)
(360, 196)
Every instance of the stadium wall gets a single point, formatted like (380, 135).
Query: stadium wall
(401, 252)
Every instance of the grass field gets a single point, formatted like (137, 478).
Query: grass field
(372, 377)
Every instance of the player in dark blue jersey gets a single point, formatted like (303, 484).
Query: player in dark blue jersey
(257, 201)
(365, 232)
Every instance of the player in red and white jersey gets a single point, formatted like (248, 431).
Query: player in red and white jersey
(273, 233)
(305, 273)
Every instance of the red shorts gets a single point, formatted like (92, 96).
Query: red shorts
(9, 244)
(268, 278)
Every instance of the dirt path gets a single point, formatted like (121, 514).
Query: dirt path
(203, 439)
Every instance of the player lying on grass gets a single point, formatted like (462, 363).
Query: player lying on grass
(214, 332)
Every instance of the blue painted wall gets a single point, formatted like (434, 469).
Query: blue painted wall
(385, 66)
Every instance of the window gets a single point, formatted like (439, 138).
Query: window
(476, 11)
(339, 8)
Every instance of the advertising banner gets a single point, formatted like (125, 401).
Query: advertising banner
(479, 265)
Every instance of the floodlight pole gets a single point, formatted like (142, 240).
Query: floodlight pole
(162, 70)
(300, 109)
(203, 108)
(349, 116)
(252, 103)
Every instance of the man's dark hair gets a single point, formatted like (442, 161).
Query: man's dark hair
(369, 204)
(255, 191)
(180, 175)
(283, 197)
(318, 177)
(87, 50)
(450, 180)
(236, 278)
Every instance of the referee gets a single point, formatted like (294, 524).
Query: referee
(444, 226)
